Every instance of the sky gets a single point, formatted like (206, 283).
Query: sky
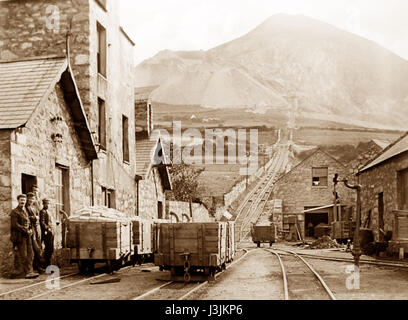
(156, 25)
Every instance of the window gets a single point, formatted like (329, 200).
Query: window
(160, 210)
(102, 124)
(319, 176)
(101, 50)
(125, 138)
(61, 184)
(402, 186)
(108, 198)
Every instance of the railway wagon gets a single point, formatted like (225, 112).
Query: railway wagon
(230, 241)
(142, 236)
(193, 247)
(99, 236)
(343, 230)
(263, 234)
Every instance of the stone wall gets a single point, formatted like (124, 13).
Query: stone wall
(32, 28)
(5, 201)
(296, 191)
(33, 152)
(182, 211)
(150, 192)
(381, 179)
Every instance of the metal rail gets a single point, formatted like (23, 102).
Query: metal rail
(183, 297)
(270, 178)
(285, 280)
(323, 283)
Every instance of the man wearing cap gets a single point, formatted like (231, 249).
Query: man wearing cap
(21, 237)
(33, 213)
(47, 234)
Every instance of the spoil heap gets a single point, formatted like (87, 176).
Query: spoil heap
(324, 242)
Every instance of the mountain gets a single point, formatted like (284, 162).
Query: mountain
(337, 76)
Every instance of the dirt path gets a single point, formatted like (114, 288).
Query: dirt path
(256, 277)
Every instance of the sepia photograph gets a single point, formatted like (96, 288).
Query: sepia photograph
(203, 151)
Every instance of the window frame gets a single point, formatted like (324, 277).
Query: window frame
(319, 177)
(101, 50)
(125, 139)
(102, 124)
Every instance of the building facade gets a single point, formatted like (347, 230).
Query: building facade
(384, 190)
(45, 141)
(101, 56)
(308, 186)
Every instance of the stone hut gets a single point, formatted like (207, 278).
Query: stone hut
(45, 141)
(384, 184)
(306, 193)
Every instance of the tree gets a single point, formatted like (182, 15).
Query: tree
(185, 182)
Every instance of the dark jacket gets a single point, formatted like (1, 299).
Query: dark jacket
(20, 225)
(45, 222)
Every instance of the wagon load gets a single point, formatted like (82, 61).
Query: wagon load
(99, 234)
(185, 247)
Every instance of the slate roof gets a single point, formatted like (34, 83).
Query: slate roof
(26, 84)
(147, 155)
(23, 84)
(398, 147)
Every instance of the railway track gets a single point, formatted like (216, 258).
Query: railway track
(43, 288)
(253, 205)
(172, 290)
(298, 286)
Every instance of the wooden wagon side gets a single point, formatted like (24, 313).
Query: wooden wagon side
(185, 247)
(263, 234)
(99, 240)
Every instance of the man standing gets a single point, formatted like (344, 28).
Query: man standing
(34, 215)
(21, 237)
(47, 234)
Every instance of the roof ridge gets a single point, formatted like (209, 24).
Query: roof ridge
(368, 164)
(47, 57)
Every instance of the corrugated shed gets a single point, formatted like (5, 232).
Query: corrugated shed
(398, 147)
(23, 85)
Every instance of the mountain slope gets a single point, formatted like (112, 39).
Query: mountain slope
(334, 73)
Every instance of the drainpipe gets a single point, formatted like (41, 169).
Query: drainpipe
(137, 178)
(92, 184)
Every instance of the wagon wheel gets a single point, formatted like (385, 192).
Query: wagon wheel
(91, 266)
(82, 266)
(187, 277)
(212, 273)
(110, 266)
(207, 271)
(173, 271)
(223, 267)
(258, 244)
(270, 244)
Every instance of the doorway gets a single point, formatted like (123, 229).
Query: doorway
(27, 183)
(313, 219)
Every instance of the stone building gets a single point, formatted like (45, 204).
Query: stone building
(384, 184)
(307, 193)
(45, 141)
(101, 56)
(153, 178)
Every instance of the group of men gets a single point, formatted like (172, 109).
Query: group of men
(32, 236)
